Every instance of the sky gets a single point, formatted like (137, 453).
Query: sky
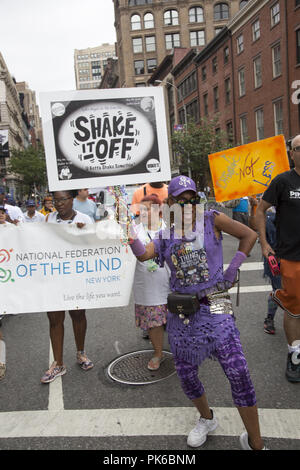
(38, 38)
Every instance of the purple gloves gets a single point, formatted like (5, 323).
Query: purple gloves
(231, 271)
(137, 247)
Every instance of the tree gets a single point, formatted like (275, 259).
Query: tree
(194, 144)
(30, 165)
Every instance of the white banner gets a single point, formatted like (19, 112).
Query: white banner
(51, 267)
(105, 137)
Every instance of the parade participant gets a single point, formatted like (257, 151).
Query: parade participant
(2, 343)
(47, 206)
(269, 325)
(151, 282)
(159, 189)
(283, 193)
(193, 252)
(85, 205)
(14, 213)
(63, 201)
(3, 215)
(32, 215)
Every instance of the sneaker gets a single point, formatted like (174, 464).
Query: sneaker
(198, 435)
(269, 326)
(244, 441)
(84, 361)
(145, 334)
(54, 372)
(2, 370)
(293, 367)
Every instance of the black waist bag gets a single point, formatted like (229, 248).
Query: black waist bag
(182, 304)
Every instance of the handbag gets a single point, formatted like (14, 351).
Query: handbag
(182, 304)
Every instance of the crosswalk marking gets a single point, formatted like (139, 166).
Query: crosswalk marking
(167, 421)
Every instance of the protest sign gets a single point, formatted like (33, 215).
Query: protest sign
(105, 137)
(248, 169)
(52, 267)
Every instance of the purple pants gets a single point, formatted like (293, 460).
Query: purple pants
(231, 357)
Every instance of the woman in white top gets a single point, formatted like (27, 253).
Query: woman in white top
(151, 282)
(63, 201)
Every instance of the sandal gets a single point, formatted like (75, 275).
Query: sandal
(154, 363)
(2, 370)
(84, 361)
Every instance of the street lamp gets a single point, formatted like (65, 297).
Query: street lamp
(184, 110)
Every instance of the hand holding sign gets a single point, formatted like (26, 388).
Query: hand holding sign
(247, 169)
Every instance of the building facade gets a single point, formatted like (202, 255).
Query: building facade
(31, 110)
(14, 127)
(90, 65)
(248, 75)
(148, 30)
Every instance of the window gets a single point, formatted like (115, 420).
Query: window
(259, 120)
(139, 67)
(197, 38)
(242, 84)
(203, 72)
(188, 85)
(244, 129)
(278, 117)
(221, 11)
(148, 21)
(216, 98)
(205, 104)
(137, 45)
(298, 45)
(192, 109)
(275, 14)
(243, 3)
(196, 15)
(151, 65)
(227, 91)
(214, 65)
(256, 30)
(172, 40)
(229, 132)
(136, 22)
(218, 30)
(276, 59)
(240, 44)
(226, 55)
(139, 2)
(171, 18)
(150, 43)
(257, 72)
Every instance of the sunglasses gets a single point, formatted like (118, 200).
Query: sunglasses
(183, 202)
(296, 149)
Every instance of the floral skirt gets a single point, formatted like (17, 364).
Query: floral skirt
(150, 316)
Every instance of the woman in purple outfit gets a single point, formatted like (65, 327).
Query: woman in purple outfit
(192, 248)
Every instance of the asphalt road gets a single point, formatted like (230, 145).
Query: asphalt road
(88, 411)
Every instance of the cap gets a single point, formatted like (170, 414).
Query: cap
(179, 184)
(30, 202)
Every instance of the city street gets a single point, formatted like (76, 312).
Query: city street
(87, 410)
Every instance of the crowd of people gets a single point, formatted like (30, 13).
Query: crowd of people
(180, 285)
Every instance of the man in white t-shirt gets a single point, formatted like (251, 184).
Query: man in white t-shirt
(85, 205)
(32, 215)
(14, 213)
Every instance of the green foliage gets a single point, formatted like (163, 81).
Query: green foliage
(30, 165)
(194, 144)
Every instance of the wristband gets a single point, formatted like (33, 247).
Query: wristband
(231, 271)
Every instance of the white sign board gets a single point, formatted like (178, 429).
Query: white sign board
(105, 137)
(51, 267)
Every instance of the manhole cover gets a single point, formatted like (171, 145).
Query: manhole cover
(131, 368)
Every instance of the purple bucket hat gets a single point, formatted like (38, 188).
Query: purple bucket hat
(180, 184)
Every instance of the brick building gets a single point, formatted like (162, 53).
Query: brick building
(148, 30)
(249, 74)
